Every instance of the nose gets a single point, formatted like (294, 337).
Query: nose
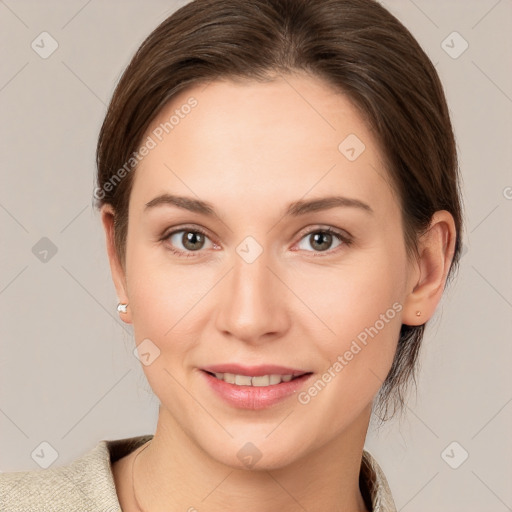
(252, 302)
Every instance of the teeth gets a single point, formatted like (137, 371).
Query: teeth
(264, 380)
(274, 379)
(246, 380)
(228, 377)
(243, 380)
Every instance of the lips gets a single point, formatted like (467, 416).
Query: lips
(254, 387)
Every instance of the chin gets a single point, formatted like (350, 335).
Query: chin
(250, 458)
(253, 450)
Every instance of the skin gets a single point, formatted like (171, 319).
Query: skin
(250, 149)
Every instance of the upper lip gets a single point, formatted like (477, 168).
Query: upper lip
(255, 371)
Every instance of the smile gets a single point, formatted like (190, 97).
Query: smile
(258, 381)
(255, 392)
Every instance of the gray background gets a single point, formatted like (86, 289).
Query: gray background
(67, 373)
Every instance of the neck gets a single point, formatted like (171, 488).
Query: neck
(174, 473)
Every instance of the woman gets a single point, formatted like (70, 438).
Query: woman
(278, 184)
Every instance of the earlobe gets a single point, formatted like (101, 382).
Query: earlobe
(116, 269)
(436, 249)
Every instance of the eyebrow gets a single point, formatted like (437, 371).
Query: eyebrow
(294, 209)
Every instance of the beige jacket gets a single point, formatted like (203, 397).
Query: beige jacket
(87, 483)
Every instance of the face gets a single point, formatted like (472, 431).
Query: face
(267, 272)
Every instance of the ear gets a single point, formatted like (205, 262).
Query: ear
(436, 248)
(116, 269)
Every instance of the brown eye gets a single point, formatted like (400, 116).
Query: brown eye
(321, 240)
(192, 240)
(185, 241)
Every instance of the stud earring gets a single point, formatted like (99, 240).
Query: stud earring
(418, 313)
(122, 308)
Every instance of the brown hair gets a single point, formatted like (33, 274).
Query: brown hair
(357, 47)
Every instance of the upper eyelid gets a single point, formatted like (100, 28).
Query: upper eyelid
(191, 229)
(325, 227)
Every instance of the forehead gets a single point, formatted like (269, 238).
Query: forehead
(275, 141)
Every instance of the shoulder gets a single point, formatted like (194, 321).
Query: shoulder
(86, 484)
(374, 484)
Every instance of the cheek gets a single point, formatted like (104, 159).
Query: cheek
(356, 360)
(166, 299)
(164, 311)
(352, 297)
(361, 304)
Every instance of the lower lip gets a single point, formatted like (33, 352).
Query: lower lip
(255, 397)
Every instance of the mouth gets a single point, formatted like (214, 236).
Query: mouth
(255, 380)
(256, 387)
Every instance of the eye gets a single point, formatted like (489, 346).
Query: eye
(186, 241)
(321, 240)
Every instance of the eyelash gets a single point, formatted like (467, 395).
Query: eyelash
(346, 241)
